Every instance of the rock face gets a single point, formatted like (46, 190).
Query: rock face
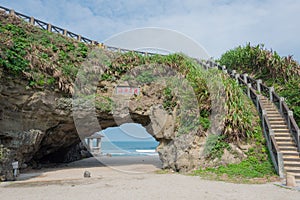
(38, 125)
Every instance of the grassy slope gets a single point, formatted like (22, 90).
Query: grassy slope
(47, 60)
(51, 61)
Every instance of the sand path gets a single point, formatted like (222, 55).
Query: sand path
(130, 178)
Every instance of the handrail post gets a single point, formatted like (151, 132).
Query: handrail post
(271, 133)
(259, 82)
(280, 165)
(298, 136)
(263, 115)
(271, 90)
(257, 102)
(233, 72)
(79, 37)
(290, 114)
(206, 66)
(211, 64)
(280, 104)
(245, 78)
(237, 77)
(248, 90)
(65, 32)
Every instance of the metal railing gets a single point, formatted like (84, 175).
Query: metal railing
(55, 29)
(49, 27)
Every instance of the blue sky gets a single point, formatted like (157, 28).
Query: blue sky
(218, 25)
(127, 132)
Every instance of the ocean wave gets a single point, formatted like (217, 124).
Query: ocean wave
(132, 154)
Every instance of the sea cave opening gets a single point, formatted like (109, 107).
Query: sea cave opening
(127, 144)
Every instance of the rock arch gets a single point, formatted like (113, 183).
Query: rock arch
(38, 124)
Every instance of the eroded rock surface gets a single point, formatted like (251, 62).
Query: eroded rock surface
(38, 126)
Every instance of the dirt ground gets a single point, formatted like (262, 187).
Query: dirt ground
(130, 178)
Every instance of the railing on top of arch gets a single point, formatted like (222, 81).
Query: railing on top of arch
(253, 88)
(55, 29)
(48, 27)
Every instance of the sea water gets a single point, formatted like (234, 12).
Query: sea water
(129, 148)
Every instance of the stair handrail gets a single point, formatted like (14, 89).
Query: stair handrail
(253, 88)
(269, 92)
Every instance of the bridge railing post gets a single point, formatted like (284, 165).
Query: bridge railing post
(49, 27)
(12, 12)
(31, 20)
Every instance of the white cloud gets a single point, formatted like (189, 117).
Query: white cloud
(218, 25)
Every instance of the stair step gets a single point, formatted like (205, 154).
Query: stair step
(275, 125)
(288, 148)
(279, 119)
(293, 169)
(283, 134)
(289, 153)
(296, 175)
(291, 158)
(277, 130)
(274, 115)
(291, 164)
(286, 144)
(284, 139)
(272, 111)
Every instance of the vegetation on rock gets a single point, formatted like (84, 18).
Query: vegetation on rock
(45, 59)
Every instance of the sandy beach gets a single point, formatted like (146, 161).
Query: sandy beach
(129, 178)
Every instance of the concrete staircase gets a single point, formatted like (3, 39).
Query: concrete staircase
(284, 140)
